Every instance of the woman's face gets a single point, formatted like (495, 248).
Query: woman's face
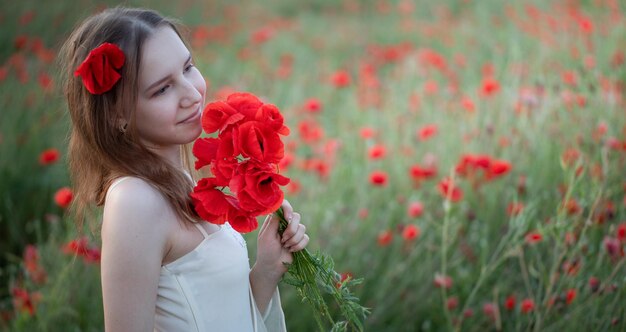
(171, 92)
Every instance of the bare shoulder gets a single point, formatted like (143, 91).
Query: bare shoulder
(134, 194)
(137, 216)
(135, 230)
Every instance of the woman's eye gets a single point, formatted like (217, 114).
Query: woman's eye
(161, 90)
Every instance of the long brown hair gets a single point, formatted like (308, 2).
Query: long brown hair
(99, 151)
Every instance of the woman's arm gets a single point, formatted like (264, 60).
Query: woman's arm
(134, 241)
(273, 252)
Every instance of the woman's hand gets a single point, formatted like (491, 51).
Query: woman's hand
(274, 251)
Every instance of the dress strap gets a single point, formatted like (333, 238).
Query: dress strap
(202, 230)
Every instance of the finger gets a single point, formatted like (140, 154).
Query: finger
(297, 237)
(270, 225)
(287, 210)
(300, 245)
(292, 228)
(265, 223)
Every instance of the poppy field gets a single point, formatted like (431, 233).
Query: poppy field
(466, 159)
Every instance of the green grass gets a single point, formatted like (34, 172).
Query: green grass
(482, 248)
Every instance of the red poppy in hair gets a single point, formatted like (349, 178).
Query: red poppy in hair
(99, 71)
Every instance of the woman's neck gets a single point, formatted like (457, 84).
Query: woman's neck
(170, 153)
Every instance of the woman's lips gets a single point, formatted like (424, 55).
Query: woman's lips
(194, 116)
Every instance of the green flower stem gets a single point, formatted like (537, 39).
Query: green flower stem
(312, 274)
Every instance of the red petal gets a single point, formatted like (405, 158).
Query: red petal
(205, 150)
(217, 115)
(245, 103)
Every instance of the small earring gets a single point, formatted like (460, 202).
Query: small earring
(123, 127)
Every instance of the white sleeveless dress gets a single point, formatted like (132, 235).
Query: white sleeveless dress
(208, 289)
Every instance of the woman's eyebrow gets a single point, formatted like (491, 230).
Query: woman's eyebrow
(166, 77)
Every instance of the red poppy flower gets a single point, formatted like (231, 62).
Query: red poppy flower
(468, 104)
(572, 207)
(527, 305)
(257, 140)
(218, 116)
(245, 103)
(24, 301)
(569, 77)
(430, 87)
(613, 247)
(262, 35)
(489, 87)
(225, 160)
(4, 72)
(49, 156)
(470, 163)
(427, 132)
(621, 232)
(63, 197)
(432, 58)
(35, 271)
(452, 302)
(411, 232)
(310, 131)
(99, 71)
(294, 187)
(81, 247)
(570, 156)
(313, 105)
(570, 295)
(533, 237)
(256, 186)
(415, 209)
(509, 303)
(205, 151)
(341, 78)
(378, 178)
(384, 238)
(367, 132)
(45, 82)
(594, 284)
(488, 69)
(448, 189)
(490, 310)
(421, 173)
(76, 247)
(442, 281)
(377, 151)
(210, 203)
(498, 168)
(92, 255)
(601, 130)
(321, 167)
(286, 162)
(20, 42)
(514, 208)
(270, 115)
(585, 24)
(240, 220)
(27, 17)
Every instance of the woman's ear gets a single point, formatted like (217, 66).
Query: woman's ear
(122, 125)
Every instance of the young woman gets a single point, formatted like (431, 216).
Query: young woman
(135, 100)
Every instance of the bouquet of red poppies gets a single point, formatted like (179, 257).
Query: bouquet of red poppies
(245, 184)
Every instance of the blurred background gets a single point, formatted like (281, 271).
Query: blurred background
(465, 158)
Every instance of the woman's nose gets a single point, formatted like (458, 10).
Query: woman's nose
(191, 95)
